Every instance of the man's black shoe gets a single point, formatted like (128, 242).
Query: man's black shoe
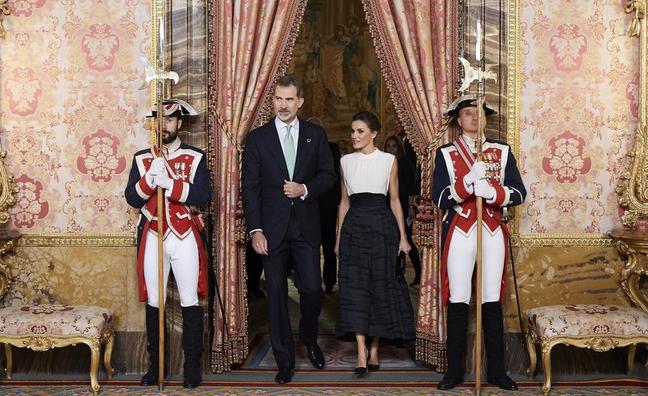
(503, 382)
(191, 383)
(315, 356)
(449, 382)
(328, 289)
(284, 377)
(150, 378)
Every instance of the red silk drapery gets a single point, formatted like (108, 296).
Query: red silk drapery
(416, 45)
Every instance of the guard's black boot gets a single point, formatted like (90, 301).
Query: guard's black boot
(152, 337)
(192, 343)
(494, 343)
(455, 345)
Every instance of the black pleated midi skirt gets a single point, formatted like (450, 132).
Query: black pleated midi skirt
(373, 294)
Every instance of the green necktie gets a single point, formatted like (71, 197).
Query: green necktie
(289, 151)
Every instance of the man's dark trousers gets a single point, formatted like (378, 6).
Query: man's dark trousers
(308, 280)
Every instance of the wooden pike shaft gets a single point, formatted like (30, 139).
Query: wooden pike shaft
(478, 287)
(160, 245)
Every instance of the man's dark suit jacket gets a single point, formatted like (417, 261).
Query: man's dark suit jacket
(264, 171)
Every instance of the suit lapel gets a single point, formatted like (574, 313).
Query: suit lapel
(275, 148)
(303, 148)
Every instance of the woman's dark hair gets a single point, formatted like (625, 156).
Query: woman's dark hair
(368, 118)
(399, 144)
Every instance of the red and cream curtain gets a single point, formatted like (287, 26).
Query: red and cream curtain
(416, 45)
(250, 44)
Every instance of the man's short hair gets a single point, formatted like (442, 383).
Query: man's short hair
(287, 81)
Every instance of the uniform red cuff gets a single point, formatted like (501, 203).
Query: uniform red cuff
(501, 196)
(460, 189)
(144, 190)
(179, 191)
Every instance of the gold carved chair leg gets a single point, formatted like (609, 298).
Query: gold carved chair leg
(632, 349)
(9, 357)
(108, 355)
(95, 350)
(533, 357)
(546, 365)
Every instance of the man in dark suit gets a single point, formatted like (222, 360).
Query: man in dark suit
(328, 213)
(328, 205)
(287, 166)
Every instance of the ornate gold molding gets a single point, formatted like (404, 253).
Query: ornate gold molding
(561, 240)
(634, 246)
(513, 91)
(633, 189)
(5, 279)
(639, 8)
(77, 239)
(4, 11)
(7, 189)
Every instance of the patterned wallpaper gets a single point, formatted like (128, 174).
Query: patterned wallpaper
(71, 112)
(579, 78)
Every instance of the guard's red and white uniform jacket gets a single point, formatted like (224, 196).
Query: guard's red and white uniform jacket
(187, 166)
(452, 163)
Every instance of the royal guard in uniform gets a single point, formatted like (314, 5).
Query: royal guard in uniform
(460, 177)
(181, 171)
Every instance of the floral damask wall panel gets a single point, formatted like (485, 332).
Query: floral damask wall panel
(578, 112)
(559, 275)
(72, 113)
(78, 275)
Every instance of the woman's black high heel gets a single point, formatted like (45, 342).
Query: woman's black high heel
(361, 372)
(372, 367)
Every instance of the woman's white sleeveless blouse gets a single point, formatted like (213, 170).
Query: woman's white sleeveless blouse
(367, 173)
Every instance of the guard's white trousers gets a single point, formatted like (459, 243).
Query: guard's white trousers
(462, 255)
(181, 255)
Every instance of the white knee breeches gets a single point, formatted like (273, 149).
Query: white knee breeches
(462, 255)
(181, 255)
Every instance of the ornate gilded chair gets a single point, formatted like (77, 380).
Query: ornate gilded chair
(593, 326)
(47, 326)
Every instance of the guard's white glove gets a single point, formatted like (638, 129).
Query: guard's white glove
(163, 180)
(478, 171)
(484, 189)
(157, 167)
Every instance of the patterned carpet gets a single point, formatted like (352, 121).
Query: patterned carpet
(626, 387)
(338, 355)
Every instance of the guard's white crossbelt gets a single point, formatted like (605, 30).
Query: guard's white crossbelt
(181, 255)
(462, 255)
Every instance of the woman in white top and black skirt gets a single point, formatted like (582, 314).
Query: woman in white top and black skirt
(374, 300)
